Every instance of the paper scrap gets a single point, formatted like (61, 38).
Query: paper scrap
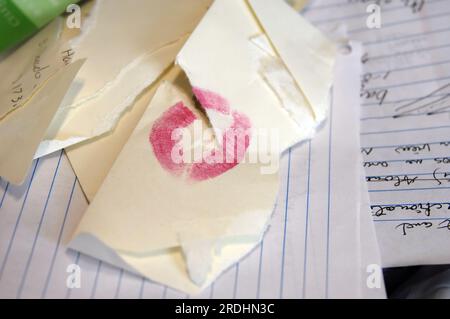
(25, 70)
(22, 130)
(92, 160)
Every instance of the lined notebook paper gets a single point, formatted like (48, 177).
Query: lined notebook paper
(405, 127)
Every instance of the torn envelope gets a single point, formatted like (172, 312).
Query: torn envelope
(247, 52)
(192, 220)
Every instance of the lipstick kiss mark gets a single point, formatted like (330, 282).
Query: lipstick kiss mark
(180, 116)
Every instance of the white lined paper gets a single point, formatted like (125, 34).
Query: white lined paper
(406, 156)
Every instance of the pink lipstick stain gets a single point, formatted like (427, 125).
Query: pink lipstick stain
(212, 101)
(180, 116)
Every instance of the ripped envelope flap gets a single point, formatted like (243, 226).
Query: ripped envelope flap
(267, 61)
(151, 204)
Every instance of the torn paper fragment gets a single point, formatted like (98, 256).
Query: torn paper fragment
(100, 115)
(157, 206)
(308, 54)
(297, 4)
(92, 160)
(283, 85)
(25, 70)
(22, 130)
(258, 81)
(167, 267)
(28, 68)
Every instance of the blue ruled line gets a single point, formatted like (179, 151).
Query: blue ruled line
(405, 160)
(393, 86)
(400, 100)
(409, 219)
(38, 231)
(329, 5)
(258, 287)
(13, 236)
(407, 36)
(407, 130)
(164, 292)
(76, 262)
(393, 24)
(307, 222)
(404, 145)
(354, 16)
(409, 204)
(211, 292)
(236, 280)
(373, 118)
(409, 68)
(409, 174)
(119, 284)
(329, 198)
(4, 194)
(58, 242)
(348, 17)
(141, 290)
(97, 273)
(286, 212)
(407, 190)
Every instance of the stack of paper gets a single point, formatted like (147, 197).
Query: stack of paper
(404, 119)
(241, 79)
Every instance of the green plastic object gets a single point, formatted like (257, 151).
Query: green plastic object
(19, 19)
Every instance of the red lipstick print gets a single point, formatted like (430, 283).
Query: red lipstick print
(235, 140)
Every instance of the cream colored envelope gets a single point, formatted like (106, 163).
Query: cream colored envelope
(22, 130)
(170, 225)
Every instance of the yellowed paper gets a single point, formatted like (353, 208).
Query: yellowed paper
(27, 69)
(92, 160)
(151, 219)
(22, 130)
(308, 54)
(297, 4)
